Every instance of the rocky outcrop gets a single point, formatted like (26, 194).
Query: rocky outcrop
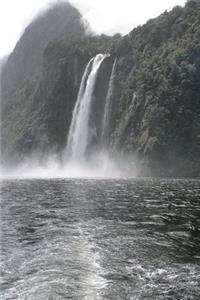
(29, 79)
(158, 106)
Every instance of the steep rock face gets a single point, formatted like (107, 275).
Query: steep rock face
(28, 80)
(60, 21)
(41, 111)
(156, 102)
(159, 104)
(72, 57)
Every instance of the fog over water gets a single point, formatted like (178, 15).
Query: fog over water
(81, 223)
(77, 159)
(100, 165)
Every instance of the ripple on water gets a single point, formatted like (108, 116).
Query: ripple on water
(100, 239)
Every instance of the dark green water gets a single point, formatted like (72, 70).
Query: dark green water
(100, 239)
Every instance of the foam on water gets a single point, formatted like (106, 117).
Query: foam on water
(95, 239)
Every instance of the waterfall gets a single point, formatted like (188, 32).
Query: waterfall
(79, 132)
(108, 105)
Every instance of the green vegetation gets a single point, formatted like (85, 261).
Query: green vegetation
(156, 109)
(159, 107)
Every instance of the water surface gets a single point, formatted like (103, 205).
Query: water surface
(100, 239)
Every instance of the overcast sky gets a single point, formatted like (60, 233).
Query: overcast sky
(105, 16)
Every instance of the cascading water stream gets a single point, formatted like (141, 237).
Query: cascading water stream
(108, 105)
(73, 124)
(77, 162)
(79, 132)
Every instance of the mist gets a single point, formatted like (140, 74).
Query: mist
(74, 93)
(100, 143)
(101, 165)
(128, 14)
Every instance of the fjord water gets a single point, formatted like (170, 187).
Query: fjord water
(100, 239)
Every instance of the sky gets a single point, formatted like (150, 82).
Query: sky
(104, 16)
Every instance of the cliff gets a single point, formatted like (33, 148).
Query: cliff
(156, 103)
(159, 103)
(28, 80)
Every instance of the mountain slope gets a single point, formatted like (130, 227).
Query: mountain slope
(22, 78)
(156, 106)
(61, 20)
(158, 111)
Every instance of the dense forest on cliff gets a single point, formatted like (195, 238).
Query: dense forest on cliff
(156, 106)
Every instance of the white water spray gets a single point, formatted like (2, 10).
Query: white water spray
(79, 132)
(101, 164)
(108, 104)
